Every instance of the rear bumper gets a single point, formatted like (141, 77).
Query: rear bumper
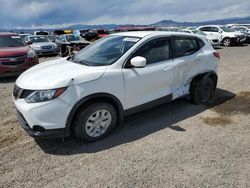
(44, 134)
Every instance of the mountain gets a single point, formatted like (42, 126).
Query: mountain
(163, 23)
(171, 23)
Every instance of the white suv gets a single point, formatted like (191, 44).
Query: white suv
(89, 93)
(226, 35)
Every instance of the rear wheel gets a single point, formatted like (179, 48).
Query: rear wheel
(202, 91)
(94, 122)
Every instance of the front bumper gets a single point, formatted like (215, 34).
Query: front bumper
(45, 133)
(47, 52)
(50, 117)
(10, 70)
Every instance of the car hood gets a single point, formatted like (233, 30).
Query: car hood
(58, 73)
(13, 51)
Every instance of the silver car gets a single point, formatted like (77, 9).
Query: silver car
(42, 45)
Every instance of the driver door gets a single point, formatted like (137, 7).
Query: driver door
(154, 81)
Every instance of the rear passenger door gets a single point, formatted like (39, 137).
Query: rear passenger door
(188, 59)
(143, 85)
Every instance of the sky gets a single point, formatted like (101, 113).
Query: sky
(61, 13)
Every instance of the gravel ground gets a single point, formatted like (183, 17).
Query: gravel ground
(175, 145)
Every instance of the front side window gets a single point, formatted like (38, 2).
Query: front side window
(186, 46)
(155, 51)
(205, 29)
(105, 51)
(214, 29)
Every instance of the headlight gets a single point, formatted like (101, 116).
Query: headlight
(37, 47)
(31, 54)
(237, 35)
(54, 46)
(46, 95)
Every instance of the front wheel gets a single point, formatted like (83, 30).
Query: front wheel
(227, 42)
(94, 122)
(203, 91)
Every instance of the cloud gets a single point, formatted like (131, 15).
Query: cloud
(33, 13)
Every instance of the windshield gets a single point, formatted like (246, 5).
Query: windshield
(198, 32)
(38, 39)
(11, 41)
(72, 38)
(105, 51)
(52, 37)
(225, 29)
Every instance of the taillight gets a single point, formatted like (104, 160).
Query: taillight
(217, 55)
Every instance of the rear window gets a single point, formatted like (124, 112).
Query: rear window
(187, 46)
(11, 41)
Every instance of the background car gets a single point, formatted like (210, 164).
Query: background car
(244, 30)
(211, 39)
(42, 45)
(68, 43)
(225, 35)
(15, 55)
(41, 33)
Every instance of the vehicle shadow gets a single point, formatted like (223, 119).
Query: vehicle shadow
(218, 47)
(136, 126)
(10, 79)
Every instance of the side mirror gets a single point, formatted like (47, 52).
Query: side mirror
(220, 31)
(29, 42)
(138, 62)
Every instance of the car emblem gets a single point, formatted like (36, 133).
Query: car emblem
(13, 59)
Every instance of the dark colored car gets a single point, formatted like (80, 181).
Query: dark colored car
(15, 55)
(69, 43)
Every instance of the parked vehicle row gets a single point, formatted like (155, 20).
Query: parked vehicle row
(225, 35)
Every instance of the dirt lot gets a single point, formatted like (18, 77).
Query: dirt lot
(175, 145)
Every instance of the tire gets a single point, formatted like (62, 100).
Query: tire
(94, 122)
(203, 91)
(227, 42)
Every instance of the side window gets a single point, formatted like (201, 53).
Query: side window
(205, 29)
(214, 29)
(155, 51)
(185, 46)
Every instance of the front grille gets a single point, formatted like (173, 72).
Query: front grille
(20, 93)
(215, 40)
(14, 56)
(46, 47)
(15, 63)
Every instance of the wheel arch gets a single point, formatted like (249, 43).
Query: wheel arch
(97, 97)
(211, 74)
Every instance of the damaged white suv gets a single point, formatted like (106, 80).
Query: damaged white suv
(88, 94)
